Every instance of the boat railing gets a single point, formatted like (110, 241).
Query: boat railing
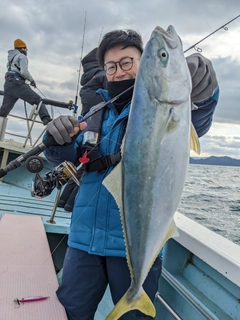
(34, 127)
(179, 288)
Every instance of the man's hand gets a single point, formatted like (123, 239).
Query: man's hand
(63, 128)
(204, 81)
(33, 84)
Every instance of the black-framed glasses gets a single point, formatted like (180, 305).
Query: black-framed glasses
(125, 64)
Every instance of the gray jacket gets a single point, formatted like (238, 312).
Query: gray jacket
(19, 64)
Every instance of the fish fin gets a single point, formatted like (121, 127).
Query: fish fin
(113, 182)
(194, 141)
(172, 231)
(141, 303)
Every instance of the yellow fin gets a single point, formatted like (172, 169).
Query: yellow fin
(113, 182)
(194, 141)
(143, 304)
(172, 231)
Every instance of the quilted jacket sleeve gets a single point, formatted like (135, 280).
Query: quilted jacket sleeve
(202, 116)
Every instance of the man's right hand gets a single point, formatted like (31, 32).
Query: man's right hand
(63, 128)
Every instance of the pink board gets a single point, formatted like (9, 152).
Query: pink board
(26, 269)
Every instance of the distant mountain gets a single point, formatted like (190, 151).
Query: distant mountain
(219, 161)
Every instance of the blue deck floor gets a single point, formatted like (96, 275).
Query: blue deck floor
(17, 200)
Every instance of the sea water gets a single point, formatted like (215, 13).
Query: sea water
(211, 197)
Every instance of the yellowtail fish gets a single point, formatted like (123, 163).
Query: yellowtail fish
(147, 184)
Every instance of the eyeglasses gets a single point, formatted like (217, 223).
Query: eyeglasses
(125, 64)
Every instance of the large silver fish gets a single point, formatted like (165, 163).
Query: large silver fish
(148, 183)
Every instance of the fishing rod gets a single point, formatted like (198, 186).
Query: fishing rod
(222, 27)
(71, 105)
(100, 37)
(80, 63)
(50, 141)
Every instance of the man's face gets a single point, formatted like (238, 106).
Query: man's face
(116, 55)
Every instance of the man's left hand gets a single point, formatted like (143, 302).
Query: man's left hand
(204, 81)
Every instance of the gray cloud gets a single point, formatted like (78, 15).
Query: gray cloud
(221, 145)
(53, 31)
(228, 75)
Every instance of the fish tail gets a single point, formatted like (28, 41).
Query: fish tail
(141, 303)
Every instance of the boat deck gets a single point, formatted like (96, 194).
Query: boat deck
(17, 200)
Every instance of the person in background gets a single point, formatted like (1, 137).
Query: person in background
(96, 253)
(92, 79)
(15, 87)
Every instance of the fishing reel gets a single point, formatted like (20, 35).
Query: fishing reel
(42, 186)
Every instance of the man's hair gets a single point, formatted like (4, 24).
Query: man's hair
(126, 38)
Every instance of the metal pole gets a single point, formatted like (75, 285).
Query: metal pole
(33, 117)
(169, 278)
(3, 125)
(55, 207)
(80, 63)
(167, 306)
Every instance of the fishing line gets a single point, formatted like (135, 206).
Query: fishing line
(53, 107)
(224, 35)
(41, 92)
(100, 37)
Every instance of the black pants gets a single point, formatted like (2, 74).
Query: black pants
(14, 91)
(85, 279)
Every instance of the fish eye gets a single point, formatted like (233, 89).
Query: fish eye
(163, 55)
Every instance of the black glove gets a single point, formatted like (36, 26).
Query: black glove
(61, 128)
(33, 84)
(204, 81)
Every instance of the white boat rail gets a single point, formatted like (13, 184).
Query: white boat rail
(31, 119)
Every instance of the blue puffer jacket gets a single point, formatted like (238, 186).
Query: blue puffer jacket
(96, 225)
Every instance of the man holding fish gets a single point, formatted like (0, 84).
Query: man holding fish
(135, 152)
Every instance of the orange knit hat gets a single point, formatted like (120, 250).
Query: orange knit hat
(18, 43)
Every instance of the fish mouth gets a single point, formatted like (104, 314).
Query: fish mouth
(168, 35)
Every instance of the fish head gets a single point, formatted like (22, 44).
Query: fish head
(164, 65)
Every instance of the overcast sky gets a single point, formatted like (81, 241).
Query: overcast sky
(53, 31)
